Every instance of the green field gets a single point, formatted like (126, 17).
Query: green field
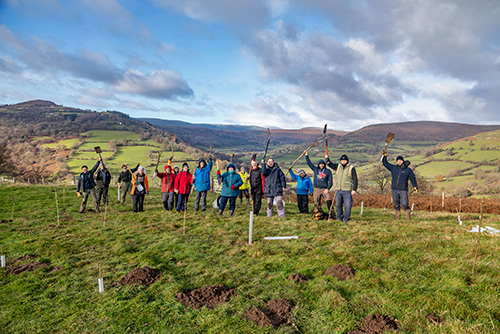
(404, 270)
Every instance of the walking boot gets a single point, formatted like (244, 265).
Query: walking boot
(220, 212)
(408, 214)
(398, 214)
(231, 212)
(248, 202)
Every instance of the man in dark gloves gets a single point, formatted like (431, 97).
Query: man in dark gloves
(346, 185)
(399, 185)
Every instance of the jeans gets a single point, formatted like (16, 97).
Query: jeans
(183, 198)
(400, 199)
(223, 202)
(343, 197)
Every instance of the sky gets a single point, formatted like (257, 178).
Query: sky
(273, 63)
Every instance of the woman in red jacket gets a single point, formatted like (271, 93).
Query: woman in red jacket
(183, 182)
(167, 187)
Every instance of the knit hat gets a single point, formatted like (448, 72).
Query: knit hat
(344, 157)
(84, 166)
(124, 166)
(400, 157)
(168, 166)
(302, 171)
(175, 166)
(185, 164)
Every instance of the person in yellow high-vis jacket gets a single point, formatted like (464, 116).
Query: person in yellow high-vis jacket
(244, 188)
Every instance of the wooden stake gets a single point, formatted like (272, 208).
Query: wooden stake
(105, 212)
(442, 201)
(100, 273)
(57, 208)
(478, 237)
(12, 216)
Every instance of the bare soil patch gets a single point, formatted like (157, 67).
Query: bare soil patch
(208, 296)
(298, 278)
(376, 323)
(16, 270)
(141, 276)
(434, 318)
(274, 314)
(341, 271)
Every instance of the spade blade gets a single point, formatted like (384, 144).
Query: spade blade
(389, 138)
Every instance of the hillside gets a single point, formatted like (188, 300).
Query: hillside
(237, 137)
(418, 131)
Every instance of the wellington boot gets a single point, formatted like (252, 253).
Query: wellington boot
(408, 214)
(398, 214)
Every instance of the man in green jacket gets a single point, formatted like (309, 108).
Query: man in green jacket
(346, 185)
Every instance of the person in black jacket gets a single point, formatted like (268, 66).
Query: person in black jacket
(85, 187)
(274, 186)
(322, 182)
(102, 180)
(257, 182)
(125, 181)
(401, 173)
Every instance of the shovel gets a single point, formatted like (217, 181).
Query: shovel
(99, 151)
(172, 141)
(267, 144)
(326, 139)
(388, 140)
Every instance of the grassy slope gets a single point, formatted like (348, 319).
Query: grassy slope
(402, 270)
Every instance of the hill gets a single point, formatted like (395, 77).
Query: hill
(418, 131)
(237, 137)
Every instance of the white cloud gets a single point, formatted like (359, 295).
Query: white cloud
(157, 84)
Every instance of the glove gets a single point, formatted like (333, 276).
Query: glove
(263, 161)
(233, 187)
(218, 172)
(415, 190)
(384, 153)
(147, 192)
(78, 194)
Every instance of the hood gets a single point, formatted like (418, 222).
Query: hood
(405, 164)
(200, 161)
(229, 165)
(168, 166)
(321, 161)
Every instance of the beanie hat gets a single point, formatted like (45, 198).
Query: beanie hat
(124, 166)
(185, 164)
(302, 171)
(344, 157)
(168, 166)
(84, 166)
(175, 166)
(400, 157)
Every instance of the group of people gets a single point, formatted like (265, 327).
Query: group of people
(267, 180)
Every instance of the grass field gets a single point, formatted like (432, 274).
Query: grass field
(404, 270)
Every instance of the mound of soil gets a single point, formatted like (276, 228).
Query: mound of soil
(434, 318)
(274, 314)
(209, 296)
(25, 267)
(298, 278)
(376, 323)
(142, 276)
(341, 271)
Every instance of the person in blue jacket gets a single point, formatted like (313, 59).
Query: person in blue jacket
(202, 183)
(304, 188)
(399, 184)
(231, 182)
